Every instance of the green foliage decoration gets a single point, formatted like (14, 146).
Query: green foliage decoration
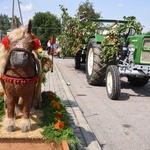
(110, 46)
(50, 121)
(87, 9)
(75, 33)
(40, 57)
(2, 110)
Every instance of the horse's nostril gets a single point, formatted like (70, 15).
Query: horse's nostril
(25, 56)
(13, 54)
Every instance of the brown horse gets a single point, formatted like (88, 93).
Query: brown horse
(20, 74)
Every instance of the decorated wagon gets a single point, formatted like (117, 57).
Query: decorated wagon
(109, 49)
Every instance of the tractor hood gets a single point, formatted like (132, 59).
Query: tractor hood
(142, 48)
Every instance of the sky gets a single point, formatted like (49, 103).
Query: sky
(109, 9)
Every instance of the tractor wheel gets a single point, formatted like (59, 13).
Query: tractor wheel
(113, 82)
(136, 81)
(78, 60)
(95, 68)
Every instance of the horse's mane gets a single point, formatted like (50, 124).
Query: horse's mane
(17, 33)
(4, 53)
(3, 58)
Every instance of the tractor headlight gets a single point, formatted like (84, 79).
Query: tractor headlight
(131, 47)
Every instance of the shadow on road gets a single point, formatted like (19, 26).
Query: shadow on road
(137, 91)
(87, 137)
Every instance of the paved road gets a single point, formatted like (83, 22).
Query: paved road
(117, 125)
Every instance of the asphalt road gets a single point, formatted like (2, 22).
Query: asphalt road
(118, 125)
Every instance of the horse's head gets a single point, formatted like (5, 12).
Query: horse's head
(20, 43)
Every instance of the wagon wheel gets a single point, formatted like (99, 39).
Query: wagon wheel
(113, 82)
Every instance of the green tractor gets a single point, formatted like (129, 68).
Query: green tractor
(132, 60)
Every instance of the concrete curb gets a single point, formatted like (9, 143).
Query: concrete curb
(78, 117)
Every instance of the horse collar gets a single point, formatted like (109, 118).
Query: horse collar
(20, 80)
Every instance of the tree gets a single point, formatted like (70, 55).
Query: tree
(44, 26)
(87, 10)
(5, 23)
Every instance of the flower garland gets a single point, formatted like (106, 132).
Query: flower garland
(56, 122)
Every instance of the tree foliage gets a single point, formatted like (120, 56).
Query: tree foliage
(5, 23)
(86, 8)
(45, 25)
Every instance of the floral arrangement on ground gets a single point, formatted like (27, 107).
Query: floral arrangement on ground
(55, 120)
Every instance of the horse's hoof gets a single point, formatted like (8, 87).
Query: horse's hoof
(10, 129)
(24, 129)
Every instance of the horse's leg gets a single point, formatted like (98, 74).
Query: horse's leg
(10, 119)
(25, 123)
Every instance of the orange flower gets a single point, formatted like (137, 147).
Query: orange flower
(59, 125)
(56, 105)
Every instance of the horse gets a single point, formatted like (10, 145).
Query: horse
(20, 74)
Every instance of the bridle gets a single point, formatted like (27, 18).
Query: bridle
(20, 79)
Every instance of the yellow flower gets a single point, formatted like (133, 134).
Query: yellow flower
(1, 92)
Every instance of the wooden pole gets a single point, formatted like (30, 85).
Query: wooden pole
(20, 13)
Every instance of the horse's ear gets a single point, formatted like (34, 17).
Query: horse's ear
(29, 27)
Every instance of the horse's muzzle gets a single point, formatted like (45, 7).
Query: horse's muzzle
(19, 58)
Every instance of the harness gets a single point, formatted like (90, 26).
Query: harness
(20, 79)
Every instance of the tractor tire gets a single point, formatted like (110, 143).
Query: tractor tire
(78, 60)
(136, 81)
(113, 83)
(95, 67)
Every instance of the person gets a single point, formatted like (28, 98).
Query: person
(48, 47)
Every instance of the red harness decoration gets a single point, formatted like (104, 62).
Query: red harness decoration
(20, 80)
(5, 41)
